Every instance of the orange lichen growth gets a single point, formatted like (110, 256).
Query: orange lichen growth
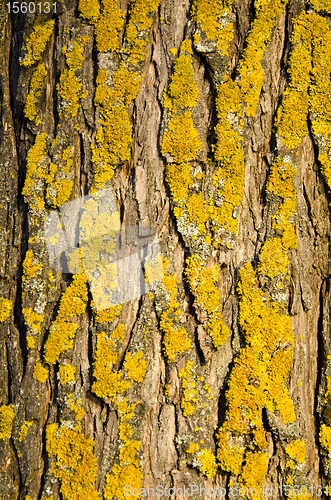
(6, 307)
(36, 168)
(213, 20)
(182, 92)
(59, 180)
(107, 315)
(232, 102)
(37, 41)
(24, 430)
(190, 392)
(135, 366)
(31, 268)
(181, 140)
(36, 86)
(89, 9)
(322, 5)
(115, 133)
(176, 339)
(70, 86)
(32, 320)
(203, 283)
(209, 465)
(309, 87)
(297, 452)
(325, 438)
(254, 471)
(108, 26)
(67, 374)
(108, 383)
(75, 465)
(40, 372)
(7, 416)
(258, 377)
(63, 329)
(30, 342)
(128, 471)
(251, 69)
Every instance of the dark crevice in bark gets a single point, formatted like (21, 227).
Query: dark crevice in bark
(121, 357)
(45, 464)
(55, 76)
(177, 432)
(211, 99)
(221, 409)
(321, 352)
(21, 486)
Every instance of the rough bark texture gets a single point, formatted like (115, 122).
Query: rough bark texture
(210, 122)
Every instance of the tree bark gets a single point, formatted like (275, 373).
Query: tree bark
(209, 124)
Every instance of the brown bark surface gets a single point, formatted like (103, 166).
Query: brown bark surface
(143, 196)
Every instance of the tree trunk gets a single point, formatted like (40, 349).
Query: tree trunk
(165, 238)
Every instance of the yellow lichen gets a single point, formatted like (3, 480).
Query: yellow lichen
(325, 437)
(322, 5)
(75, 465)
(62, 330)
(262, 366)
(297, 451)
(203, 283)
(36, 170)
(181, 141)
(108, 26)
(213, 20)
(59, 180)
(135, 366)
(190, 392)
(24, 430)
(70, 86)
(32, 319)
(31, 267)
(67, 374)
(108, 383)
(36, 86)
(107, 315)
(75, 405)
(260, 370)
(309, 87)
(7, 416)
(6, 307)
(232, 99)
(176, 339)
(89, 9)
(128, 471)
(255, 471)
(182, 92)
(40, 372)
(193, 447)
(30, 342)
(37, 41)
(115, 133)
(209, 465)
